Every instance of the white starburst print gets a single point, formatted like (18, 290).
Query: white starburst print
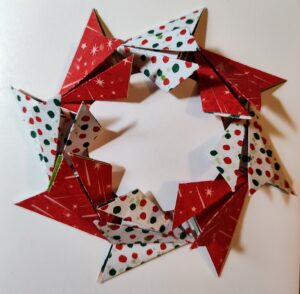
(83, 46)
(94, 50)
(109, 44)
(209, 192)
(126, 61)
(97, 165)
(99, 82)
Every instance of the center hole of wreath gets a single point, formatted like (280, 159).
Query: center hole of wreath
(156, 140)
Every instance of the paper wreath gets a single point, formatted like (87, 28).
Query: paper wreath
(80, 188)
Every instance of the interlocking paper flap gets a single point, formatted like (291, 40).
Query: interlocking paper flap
(108, 85)
(176, 35)
(215, 96)
(96, 177)
(122, 258)
(164, 69)
(263, 165)
(246, 81)
(83, 132)
(140, 209)
(217, 233)
(227, 155)
(194, 198)
(42, 119)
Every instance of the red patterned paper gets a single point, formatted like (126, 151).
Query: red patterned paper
(215, 95)
(194, 198)
(49, 207)
(108, 85)
(96, 177)
(247, 82)
(67, 191)
(93, 49)
(217, 232)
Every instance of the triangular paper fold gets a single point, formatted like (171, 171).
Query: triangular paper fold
(122, 258)
(96, 177)
(179, 39)
(92, 50)
(140, 209)
(245, 81)
(83, 132)
(108, 85)
(47, 206)
(188, 22)
(130, 234)
(215, 96)
(244, 146)
(217, 233)
(263, 166)
(194, 198)
(68, 192)
(165, 70)
(42, 119)
(227, 155)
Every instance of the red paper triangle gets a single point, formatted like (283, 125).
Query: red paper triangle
(194, 198)
(96, 177)
(217, 234)
(67, 190)
(246, 81)
(93, 49)
(108, 85)
(215, 95)
(47, 206)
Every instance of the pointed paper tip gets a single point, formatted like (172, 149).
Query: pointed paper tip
(218, 271)
(278, 81)
(100, 278)
(21, 203)
(18, 203)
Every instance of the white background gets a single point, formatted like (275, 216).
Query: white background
(37, 41)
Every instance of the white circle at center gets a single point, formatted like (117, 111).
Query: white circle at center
(156, 140)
